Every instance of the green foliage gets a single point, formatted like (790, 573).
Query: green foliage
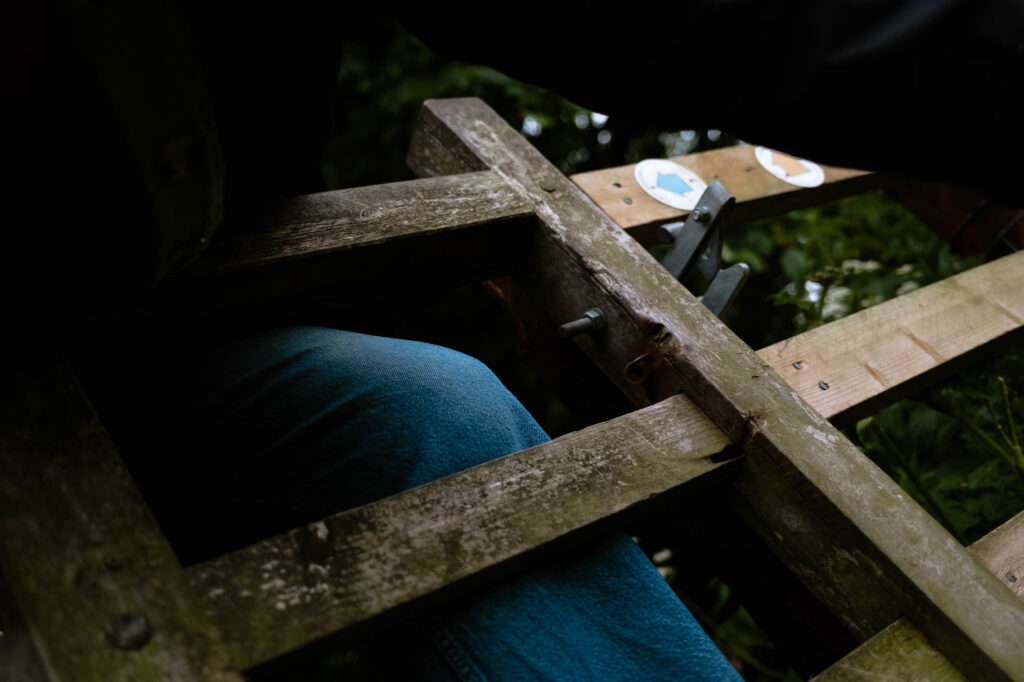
(728, 623)
(822, 263)
(957, 449)
(386, 74)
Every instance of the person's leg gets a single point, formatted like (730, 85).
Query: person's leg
(298, 423)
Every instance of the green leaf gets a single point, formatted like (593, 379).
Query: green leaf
(794, 263)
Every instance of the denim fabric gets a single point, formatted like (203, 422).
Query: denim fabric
(301, 422)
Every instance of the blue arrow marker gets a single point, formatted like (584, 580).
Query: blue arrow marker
(673, 183)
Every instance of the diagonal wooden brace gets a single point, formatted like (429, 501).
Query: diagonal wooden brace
(844, 527)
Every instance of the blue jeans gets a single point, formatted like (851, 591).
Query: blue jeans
(294, 424)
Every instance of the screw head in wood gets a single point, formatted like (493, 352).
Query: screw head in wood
(822, 385)
(130, 632)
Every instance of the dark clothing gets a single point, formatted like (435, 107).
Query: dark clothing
(927, 88)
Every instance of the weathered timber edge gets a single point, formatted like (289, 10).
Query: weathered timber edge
(330, 249)
(758, 193)
(369, 563)
(828, 488)
(902, 652)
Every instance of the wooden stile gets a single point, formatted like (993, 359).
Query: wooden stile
(81, 551)
(247, 615)
(819, 486)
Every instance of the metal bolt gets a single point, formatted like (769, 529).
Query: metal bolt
(628, 200)
(592, 322)
(130, 632)
(798, 364)
(701, 214)
(822, 385)
(1011, 577)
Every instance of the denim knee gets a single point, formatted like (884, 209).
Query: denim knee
(332, 419)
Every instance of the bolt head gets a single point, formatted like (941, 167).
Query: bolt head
(130, 632)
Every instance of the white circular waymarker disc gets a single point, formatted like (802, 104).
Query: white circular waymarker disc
(799, 172)
(670, 183)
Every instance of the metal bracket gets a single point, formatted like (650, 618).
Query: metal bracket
(698, 241)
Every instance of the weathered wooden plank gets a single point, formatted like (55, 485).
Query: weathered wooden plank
(901, 652)
(1002, 551)
(317, 225)
(368, 563)
(758, 193)
(932, 301)
(99, 588)
(344, 245)
(886, 351)
(842, 525)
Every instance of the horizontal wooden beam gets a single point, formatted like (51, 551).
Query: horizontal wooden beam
(758, 193)
(901, 652)
(851, 367)
(369, 563)
(345, 245)
(935, 301)
(842, 525)
(319, 225)
(282, 243)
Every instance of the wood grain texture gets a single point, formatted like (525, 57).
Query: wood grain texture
(80, 549)
(317, 225)
(844, 527)
(1002, 551)
(936, 302)
(758, 193)
(370, 562)
(318, 250)
(901, 652)
(883, 352)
